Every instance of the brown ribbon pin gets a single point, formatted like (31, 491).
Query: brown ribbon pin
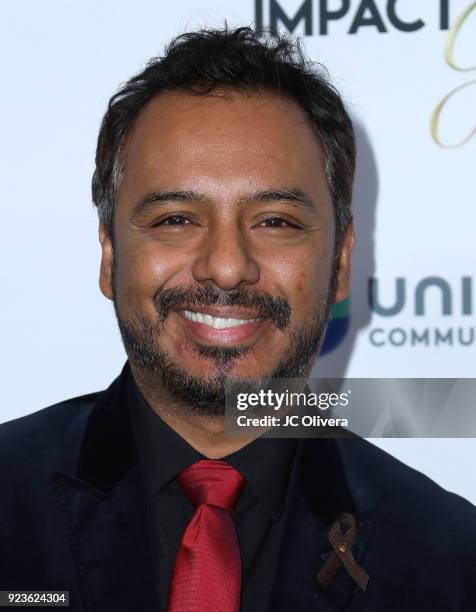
(341, 554)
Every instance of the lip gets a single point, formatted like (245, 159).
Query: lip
(245, 333)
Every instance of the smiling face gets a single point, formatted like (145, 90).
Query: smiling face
(223, 255)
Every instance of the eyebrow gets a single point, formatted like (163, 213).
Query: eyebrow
(153, 200)
(286, 194)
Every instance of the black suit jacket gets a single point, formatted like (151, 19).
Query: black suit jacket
(73, 517)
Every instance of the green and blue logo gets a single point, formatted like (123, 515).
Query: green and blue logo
(338, 326)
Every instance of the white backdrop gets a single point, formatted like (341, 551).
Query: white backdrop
(414, 199)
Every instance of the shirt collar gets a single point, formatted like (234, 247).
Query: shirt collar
(265, 463)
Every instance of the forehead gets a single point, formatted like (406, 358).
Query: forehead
(226, 138)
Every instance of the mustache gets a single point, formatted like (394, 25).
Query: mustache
(266, 305)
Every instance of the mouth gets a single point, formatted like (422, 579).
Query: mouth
(223, 325)
(219, 322)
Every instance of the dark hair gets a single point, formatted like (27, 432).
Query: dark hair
(238, 59)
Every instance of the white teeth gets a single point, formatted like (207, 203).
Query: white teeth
(216, 322)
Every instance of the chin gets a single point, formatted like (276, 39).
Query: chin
(210, 370)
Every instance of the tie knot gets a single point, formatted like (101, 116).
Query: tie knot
(211, 481)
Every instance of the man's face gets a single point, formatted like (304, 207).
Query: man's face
(223, 243)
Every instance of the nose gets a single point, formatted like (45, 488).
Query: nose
(225, 259)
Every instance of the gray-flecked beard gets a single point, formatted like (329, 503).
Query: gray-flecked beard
(206, 396)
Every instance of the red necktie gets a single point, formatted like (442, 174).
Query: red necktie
(207, 572)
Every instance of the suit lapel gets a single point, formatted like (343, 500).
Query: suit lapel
(321, 488)
(105, 510)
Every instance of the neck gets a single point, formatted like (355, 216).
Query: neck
(204, 433)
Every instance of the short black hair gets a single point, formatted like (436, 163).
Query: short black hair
(241, 60)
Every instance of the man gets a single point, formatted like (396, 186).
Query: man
(223, 185)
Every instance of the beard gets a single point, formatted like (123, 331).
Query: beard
(207, 396)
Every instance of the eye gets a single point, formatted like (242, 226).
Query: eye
(173, 220)
(277, 222)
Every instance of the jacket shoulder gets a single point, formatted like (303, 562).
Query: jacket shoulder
(397, 479)
(42, 437)
(404, 491)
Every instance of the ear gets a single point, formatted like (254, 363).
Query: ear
(344, 265)
(105, 272)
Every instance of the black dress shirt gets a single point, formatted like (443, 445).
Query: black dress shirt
(265, 463)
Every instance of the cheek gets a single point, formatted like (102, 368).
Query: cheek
(141, 271)
(301, 277)
(309, 287)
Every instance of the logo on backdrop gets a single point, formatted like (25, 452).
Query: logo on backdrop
(433, 296)
(461, 89)
(321, 16)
